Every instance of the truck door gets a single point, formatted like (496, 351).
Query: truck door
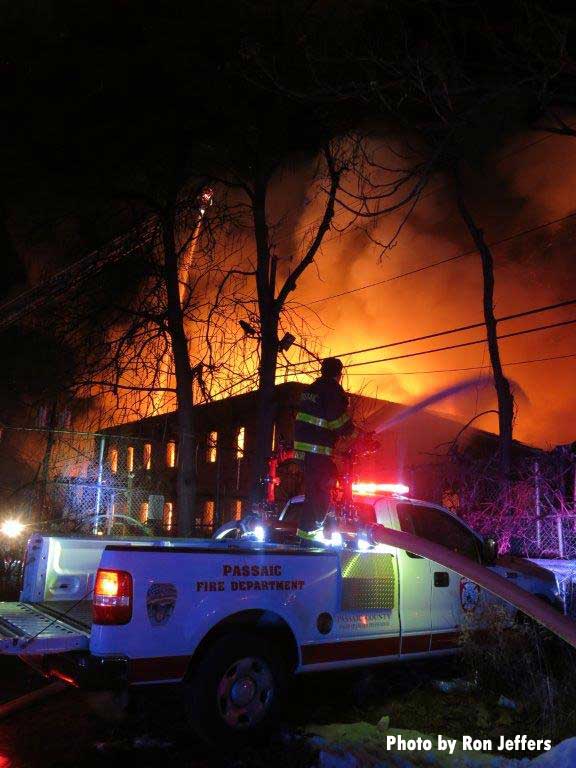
(368, 600)
(452, 596)
(415, 583)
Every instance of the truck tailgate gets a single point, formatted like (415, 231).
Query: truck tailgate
(38, 628)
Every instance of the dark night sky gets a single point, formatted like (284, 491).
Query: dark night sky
(96, 94)
(97, 98)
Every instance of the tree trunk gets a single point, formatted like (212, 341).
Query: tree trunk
(44, 470)
(266, 405)
(501, 383)
(186, 469)
(269, 318)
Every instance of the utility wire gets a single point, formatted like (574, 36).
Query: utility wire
(231, 387)
(457, 256)
(458, 370)
(447, 332)
(67, 432)
(465, 343)
(440, 349)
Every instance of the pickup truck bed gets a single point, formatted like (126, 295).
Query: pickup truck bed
(53, 627)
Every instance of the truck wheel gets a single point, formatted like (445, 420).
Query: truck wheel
(233, 695)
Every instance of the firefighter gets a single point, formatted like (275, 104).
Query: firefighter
(322, 418)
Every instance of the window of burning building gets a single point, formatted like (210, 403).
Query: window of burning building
(144, 512)
(147, 456)
(208, 513)
(130, 459)
(171, 454)
(237, 509)
(212, 447)
(168, 514)
(113, 460)
(240, 438)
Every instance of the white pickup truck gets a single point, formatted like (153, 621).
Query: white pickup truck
(230, 619)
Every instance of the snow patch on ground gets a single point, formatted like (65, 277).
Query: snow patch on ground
(563, 755)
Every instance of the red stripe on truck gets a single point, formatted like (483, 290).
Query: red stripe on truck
(349, 650)
(174, 667)
(157, 668)
(441, 641)
(416, 643)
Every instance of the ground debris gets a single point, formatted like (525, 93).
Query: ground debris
(151, 742)
(457, 685)
(507, 703)
(384, 723)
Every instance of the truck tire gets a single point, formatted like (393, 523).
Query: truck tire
(233, 695)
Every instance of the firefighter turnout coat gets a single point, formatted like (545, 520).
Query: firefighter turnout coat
(322, 418)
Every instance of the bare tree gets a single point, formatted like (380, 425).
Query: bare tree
(501, 383)
(445, 97)
(260, 282)
(132, 331)
(272, 294)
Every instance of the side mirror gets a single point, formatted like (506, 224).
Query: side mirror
(489, 550)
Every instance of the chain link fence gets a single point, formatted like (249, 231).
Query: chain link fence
(112, 483)
(533, 513)
(77, 482)
(73, 479)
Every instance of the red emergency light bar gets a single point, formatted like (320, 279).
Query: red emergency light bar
(373, 489)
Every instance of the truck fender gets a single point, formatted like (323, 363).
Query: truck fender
(530, 604)
(258, 618)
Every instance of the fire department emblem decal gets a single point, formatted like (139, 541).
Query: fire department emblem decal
(160, 602)
(469, 595)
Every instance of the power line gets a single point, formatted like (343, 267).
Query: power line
(88, 266)
(465, 343)
(459, 329)
(458, 370)
(231, 387)
(457, 256)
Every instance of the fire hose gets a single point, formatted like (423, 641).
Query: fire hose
(531, 605)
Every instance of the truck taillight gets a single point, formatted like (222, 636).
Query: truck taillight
(112, 603)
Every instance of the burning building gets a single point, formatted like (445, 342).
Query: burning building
(142, 456)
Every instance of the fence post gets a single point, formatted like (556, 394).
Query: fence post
(99, 485)
(129, 485)
(110, 513)
(537, 506)
(217, 499)
(560, 534)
